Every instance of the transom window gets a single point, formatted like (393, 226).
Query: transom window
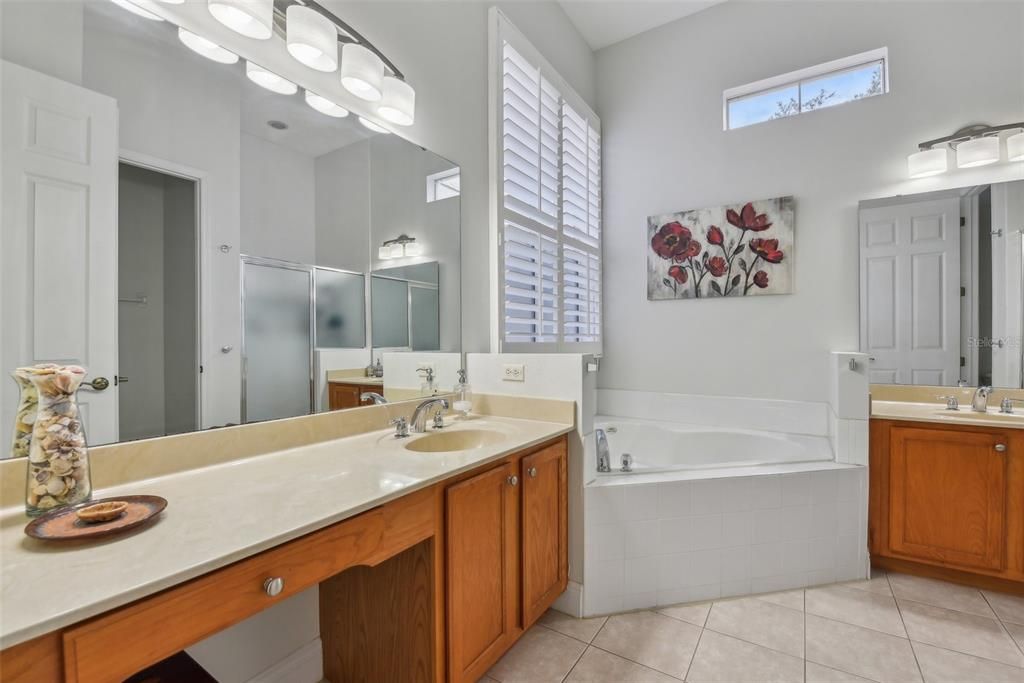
(444, 185)
(817, 87)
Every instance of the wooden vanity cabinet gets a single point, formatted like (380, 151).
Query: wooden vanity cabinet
(507, 559)
(947, 499)
(342, 395)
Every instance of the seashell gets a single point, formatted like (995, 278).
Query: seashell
(33, 498)
(102, 512)
(55, 428)
(37, 455)
(39, 489)
(41, 476)
(79, 472)
(60, 466)
(70, 483)
(46, 502)
(55, 486)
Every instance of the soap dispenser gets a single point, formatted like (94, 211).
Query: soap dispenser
(463, 402)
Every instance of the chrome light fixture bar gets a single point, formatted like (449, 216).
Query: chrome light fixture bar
(403, 245)
(975, 145)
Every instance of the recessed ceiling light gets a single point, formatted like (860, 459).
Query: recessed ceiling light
(277, 125)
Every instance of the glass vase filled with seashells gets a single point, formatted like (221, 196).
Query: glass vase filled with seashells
(58, 459)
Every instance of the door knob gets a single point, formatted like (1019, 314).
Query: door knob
(1000, 448)
(273, 586)
(532, 471)
(97, 384)
(513, 480)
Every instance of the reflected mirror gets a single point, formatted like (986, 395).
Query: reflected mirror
(247, 256)
(941, 285)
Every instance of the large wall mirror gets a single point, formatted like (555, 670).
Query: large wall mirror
(940, 286)
(246, 256)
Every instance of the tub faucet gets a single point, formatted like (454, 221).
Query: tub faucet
(979, 403)
(604, 460)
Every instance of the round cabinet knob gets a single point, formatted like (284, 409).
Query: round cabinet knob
(1000, 448)
(513, 480)
(532, 471)
(273, 586)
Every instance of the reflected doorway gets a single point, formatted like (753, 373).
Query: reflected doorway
(158, 303)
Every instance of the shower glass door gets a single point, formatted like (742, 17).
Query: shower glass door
(277, 366)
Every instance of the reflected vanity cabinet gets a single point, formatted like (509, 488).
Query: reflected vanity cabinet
(507, 555)
(948, 501)
(344, 395)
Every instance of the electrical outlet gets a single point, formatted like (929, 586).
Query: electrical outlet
(514, 372)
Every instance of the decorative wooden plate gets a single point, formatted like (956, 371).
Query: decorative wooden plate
(64, 525)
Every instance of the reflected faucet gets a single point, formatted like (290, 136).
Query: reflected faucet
(419, 416)
(372, 396)
(604, 460)
(979, 403)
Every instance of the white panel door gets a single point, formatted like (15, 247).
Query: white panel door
(58, 247)
(910, 291)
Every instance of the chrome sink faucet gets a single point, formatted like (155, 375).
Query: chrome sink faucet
(372, 396)
(419, 416)
(979, 403)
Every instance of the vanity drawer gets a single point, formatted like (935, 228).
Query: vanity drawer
(118, 644)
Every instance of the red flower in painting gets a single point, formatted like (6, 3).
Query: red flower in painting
(715, 235)
(761, 279)
(748, 219)
(767, 249)
(678, 274)
(692, 249)
(717, 266)
(671, 241)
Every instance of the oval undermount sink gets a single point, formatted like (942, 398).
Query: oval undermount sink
(461, 440)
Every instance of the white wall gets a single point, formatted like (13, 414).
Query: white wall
(343, 207)
(660, 101)
(278, 208)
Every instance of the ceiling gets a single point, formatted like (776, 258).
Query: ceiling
(604, 22)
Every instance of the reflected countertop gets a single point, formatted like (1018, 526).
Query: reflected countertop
(361, 381)
(936, 413)
(223, 513)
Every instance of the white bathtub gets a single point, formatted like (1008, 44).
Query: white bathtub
(667, 447)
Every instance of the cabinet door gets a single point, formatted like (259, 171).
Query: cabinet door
(482, 554)
(343, 396)
(947, 497)
(544, 530)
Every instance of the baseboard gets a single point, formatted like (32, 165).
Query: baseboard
(305, 665)
(570, 601)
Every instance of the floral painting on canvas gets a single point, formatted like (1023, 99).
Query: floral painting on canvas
(743, 249)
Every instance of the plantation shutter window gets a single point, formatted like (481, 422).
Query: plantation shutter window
(550, 212)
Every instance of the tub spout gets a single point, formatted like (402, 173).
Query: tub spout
(604, 460)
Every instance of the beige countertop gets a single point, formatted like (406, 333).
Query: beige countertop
(378, 381)
(936, 413)
(220, 514)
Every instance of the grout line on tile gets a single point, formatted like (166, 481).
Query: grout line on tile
(700, 636)
(750, 642)
(647, 666)
(1001, 624)
(903, 621)
(966, 654)
(833, 666)
(569, 672)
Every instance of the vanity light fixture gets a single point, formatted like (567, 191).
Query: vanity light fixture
(206, 48)
(1015, 147)
(977, 152)
(269, 80)
(251, 18)
(976, 145)
(362, 71)
(136, 10)
(312, 38)
(403, 245)
(173, 2)
(325, 106)
(398, 101)
(375, 127)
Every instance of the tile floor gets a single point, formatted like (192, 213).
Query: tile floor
(892, 627)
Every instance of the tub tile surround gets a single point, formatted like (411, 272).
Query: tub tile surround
(657, 544)
(856, 631)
